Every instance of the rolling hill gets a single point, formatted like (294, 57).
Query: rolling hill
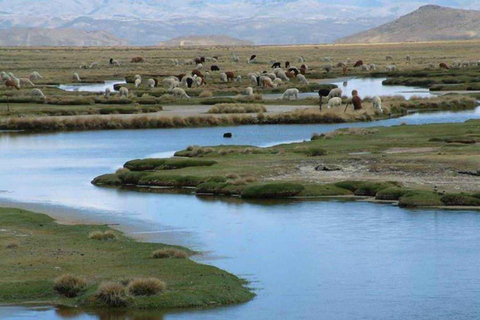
(428, 23)
(210, 40)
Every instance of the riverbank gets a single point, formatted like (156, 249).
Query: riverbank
(429, 165)
(199, 116)
(36, 251)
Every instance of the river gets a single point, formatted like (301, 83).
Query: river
(305, 259)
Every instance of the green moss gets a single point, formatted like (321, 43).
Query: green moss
(420, 199)
(323, 190)
(460, 199)
(273, 190)
(107, 180)
(165, 164)
(392, 193)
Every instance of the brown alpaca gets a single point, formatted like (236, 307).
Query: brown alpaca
(230, 76)
(10, 84)
(345, 70)
(267, 82)
(137, 60)
(359, 63)
(180, 76)
(197, 73)
(444, 66)
(290, 74)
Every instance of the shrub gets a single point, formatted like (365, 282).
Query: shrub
(169, 253)
(237, 108)
(146, 287)
(99, 235)
(12, 244)
(206, 94)
(69, 285)
(370, 189)
(112, 294)
(315, 151)
(272, 190)
(460, 200)
(349, 185)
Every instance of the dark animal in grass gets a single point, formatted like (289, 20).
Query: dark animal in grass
(200, 60)
(111, 60)
(230, 76)
(276, 65)
(287, 64)
(137, 60)
(156, 82)
(227, 135)
(180, 76)
(10, 84)
(356, 101)
(444, 66)
(189, 82)
(323, 93)
(253, 57)
(197, 73)
(303, 69)
(214, 68)
(294, 70)
(258, 81)
(357, 64)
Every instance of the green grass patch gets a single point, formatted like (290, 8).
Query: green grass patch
(165, 164)
(272, 190)
(39, 270)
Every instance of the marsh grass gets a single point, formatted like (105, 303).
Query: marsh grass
(69, 285)
(146, 287)
(112, 294)
(169, 253)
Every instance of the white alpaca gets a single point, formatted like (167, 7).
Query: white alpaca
(391, 68)
(37, 93)
(337, 92)
(25, 82)
(123, 92)
(137, 76)
(372, 67)
(223, 77)
(76, 77)
(235, 58)
(151, 83)
(377, 104)
(188, 61)
(389, 58)
(180, 93)
(364, 68)
(277, 70)
(266, 82)
(5, 76)
(301, 79)
(239, 78)
(249, 91)
(199, 66)
(272, 76)
(138, 82)
(107, 93)
(282, 75)
(278, 82)
(93, 65)
(115, 63)
(35, 76)
(289, 93)
(334, 102)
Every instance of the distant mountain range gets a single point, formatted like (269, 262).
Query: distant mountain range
(428, 23)
(212, 40)
(36, 37)
(148, 22)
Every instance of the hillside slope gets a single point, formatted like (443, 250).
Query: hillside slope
(428, 23)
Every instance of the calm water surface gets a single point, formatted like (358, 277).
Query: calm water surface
(305, 260)
(91, 87)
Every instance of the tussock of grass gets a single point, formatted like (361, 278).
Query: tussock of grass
(102, 235)
(69, 285)
(420, 199)
(273, 190)
(169, 253)
(146, 287)
(12, 244)
(392, 193)
(112, 294)
(237, 108)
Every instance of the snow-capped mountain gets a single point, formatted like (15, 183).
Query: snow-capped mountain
(145, 22)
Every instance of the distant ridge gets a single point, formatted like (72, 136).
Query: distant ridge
(209, 40)
(36, 37)
(428, 23)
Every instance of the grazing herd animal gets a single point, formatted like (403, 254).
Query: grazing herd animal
(137, 60)
(37, 93)
(11, 84)
(291, 93)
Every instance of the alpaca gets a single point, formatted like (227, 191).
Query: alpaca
(337, 92)
(35, 76)
(151, 83)
(249, 91)
(123, 92)
(10, 84)
(334, 102)
(76, 77)
(180, 93)
(214, 68)
(37, 93)
(138, 82)
(289, 93)
(301, 79)
(25, 82)
(377, 104)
